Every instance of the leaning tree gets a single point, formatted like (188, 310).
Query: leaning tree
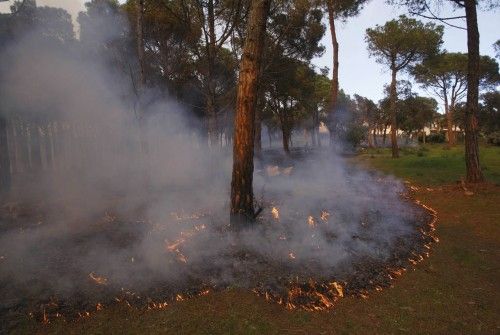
(398, 44)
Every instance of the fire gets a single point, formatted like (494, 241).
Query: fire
(338, 288)
(324, 216)
(291, 255)
(276, 213)
(310, 221)
(98, 280)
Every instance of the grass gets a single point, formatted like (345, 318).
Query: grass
(432, 164)
(455, 291)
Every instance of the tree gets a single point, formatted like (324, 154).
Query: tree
(446, 76)
(416, 112)
(242, 207)
(44, 26)
(489, 112)
(293, 39)
(423, 8)
(398, 44)
(496, 46)
(369, 113)
(339, 9)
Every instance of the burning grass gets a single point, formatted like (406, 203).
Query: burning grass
(285, 282)
(306, 251)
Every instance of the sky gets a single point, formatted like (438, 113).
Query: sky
(358, 73)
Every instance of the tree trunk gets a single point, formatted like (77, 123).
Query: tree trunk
(335, 69)
(286, 137)
(375, 137)
(449, 121)
(394, 126)
(474, 173)
(384, 135)
(5, 176)
(211, 107)
(242, 208)
(140, 41)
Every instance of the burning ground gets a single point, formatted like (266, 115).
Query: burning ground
(324, 232)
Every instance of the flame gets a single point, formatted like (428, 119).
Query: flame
(291, 255)
(324, 216)
(310, 221)
(276, 213)
(98, 280)
(338, 288)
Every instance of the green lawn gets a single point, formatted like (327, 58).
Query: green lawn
(432, 164)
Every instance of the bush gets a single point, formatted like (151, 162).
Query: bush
(494, 138)
(355, 134)
(436, 138)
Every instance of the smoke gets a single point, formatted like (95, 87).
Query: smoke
(135, 195)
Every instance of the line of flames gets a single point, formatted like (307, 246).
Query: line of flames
(334, 289)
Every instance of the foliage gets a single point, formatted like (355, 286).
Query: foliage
(494, 138)
(416, 113)
(399, 43)
(439, 137)
(489, 112)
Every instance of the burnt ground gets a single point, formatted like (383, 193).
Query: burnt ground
(282, 282)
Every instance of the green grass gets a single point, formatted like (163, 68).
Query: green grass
(432, 164)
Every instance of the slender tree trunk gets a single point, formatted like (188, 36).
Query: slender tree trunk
(211, 103)
(449, 120)
(5, 176)
(384, 135)
(474, 173)
(335, 69)
(375, 137)
(242, 208)
(394, 126)
(140, 41)
(286, 138)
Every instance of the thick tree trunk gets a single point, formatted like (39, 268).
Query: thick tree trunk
(394, 126)
(242, 208)
(335, 69)
(5, 176)
(474, 173)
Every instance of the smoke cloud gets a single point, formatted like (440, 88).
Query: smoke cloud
(142, 201)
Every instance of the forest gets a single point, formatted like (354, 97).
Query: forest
(156, 153)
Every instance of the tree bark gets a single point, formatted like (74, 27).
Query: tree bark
(473, 168)
(286, 137)
(211, 103)
(5, 176)
(335, 69)
(449, 120)
(242, 208)
(140, 41)
(394, 126)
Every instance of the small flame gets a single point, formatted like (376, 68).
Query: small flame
(310, 221)
(291, 255)
(276, 213)
(324, 216)
(98, 280)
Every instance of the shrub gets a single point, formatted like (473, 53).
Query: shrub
(494, 138)
(436, 138)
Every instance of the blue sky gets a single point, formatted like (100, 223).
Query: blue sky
(358, 73)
